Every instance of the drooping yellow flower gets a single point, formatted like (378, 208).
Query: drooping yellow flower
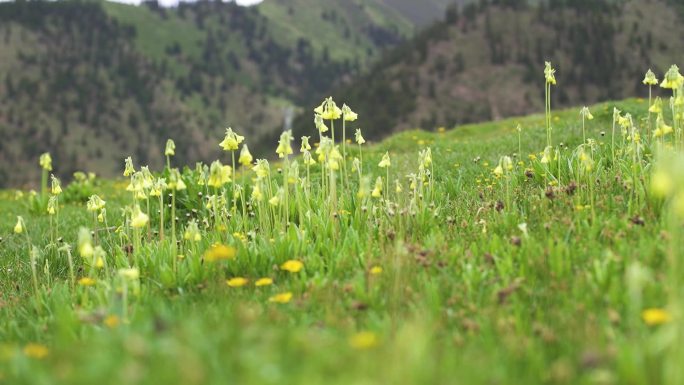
(52, 205)
(308, 159)
(219, 252)
(320, 124)
(237, 282)
(19, 227)
(328, 110)
(546, 156)
(348, 114)
(85, 243)
(86, 281)
(650, 78)
(358, 137)
(245, 157)
(176, 180)
(673, 79)
(138, 218)
(657, 106)
(377, 190)
(232, 140)
(586, 114)
(262, 168)
(498, 170)
(385, 162)
(363, 340)
(654, 317)
(284, 146)
(662, 128)
(305, 144)
(95, 203)
(397, 186)
(36, 351)
(219, 174)
(46, 161)
(56, 186)
(257, 195)
(192, 232)
(170, 148)
(281, 298)
(293, 266)
(549, 73)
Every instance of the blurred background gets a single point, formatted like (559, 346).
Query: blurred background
(95, 81)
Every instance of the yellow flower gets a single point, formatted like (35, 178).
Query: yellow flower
(170, 148)
(673, 79)
(348, 114)
(232, 140)
(263, 282)
(245, 156)
(257, 195)
(654, 317)
(650, 78)
(586, 114)
(19, 227)
(328, 110)
(46, 161)
(284, 147)
(293, 266)
(549, 73)
(86, 281)
(219, 174)
(52, 205)
(363, 340)
(130, 274)
(385, 162)
(657, 106)
(281, 298)
(176, 180)
(377, 190)
(95, 203)
(192, 232)
(138, 218)
(364, 187)
(36, 351)
(358, 137)
(237, 282)
(129, 169)
(376, 270)
(112, 321)
(219, 252)
(56, 187)
(85, 245)
(320, 124)
(498, 171)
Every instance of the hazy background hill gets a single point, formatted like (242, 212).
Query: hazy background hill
(91, 81)
(485, 61)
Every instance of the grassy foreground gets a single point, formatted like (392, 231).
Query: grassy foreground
(556, 268)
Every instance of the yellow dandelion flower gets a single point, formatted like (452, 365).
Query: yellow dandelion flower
(86, 281)
(219, 252)
(654, 317)
(36, 351)
(376, 270)
(263, 282)
(237, 282)
(112, 321)
(363, 340)
(281, 298)
(293, 266)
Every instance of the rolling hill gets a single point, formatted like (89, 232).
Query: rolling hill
(485, 61)
(97, 79)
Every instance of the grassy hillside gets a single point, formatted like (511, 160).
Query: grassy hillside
(481, 63)
(535, 275)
